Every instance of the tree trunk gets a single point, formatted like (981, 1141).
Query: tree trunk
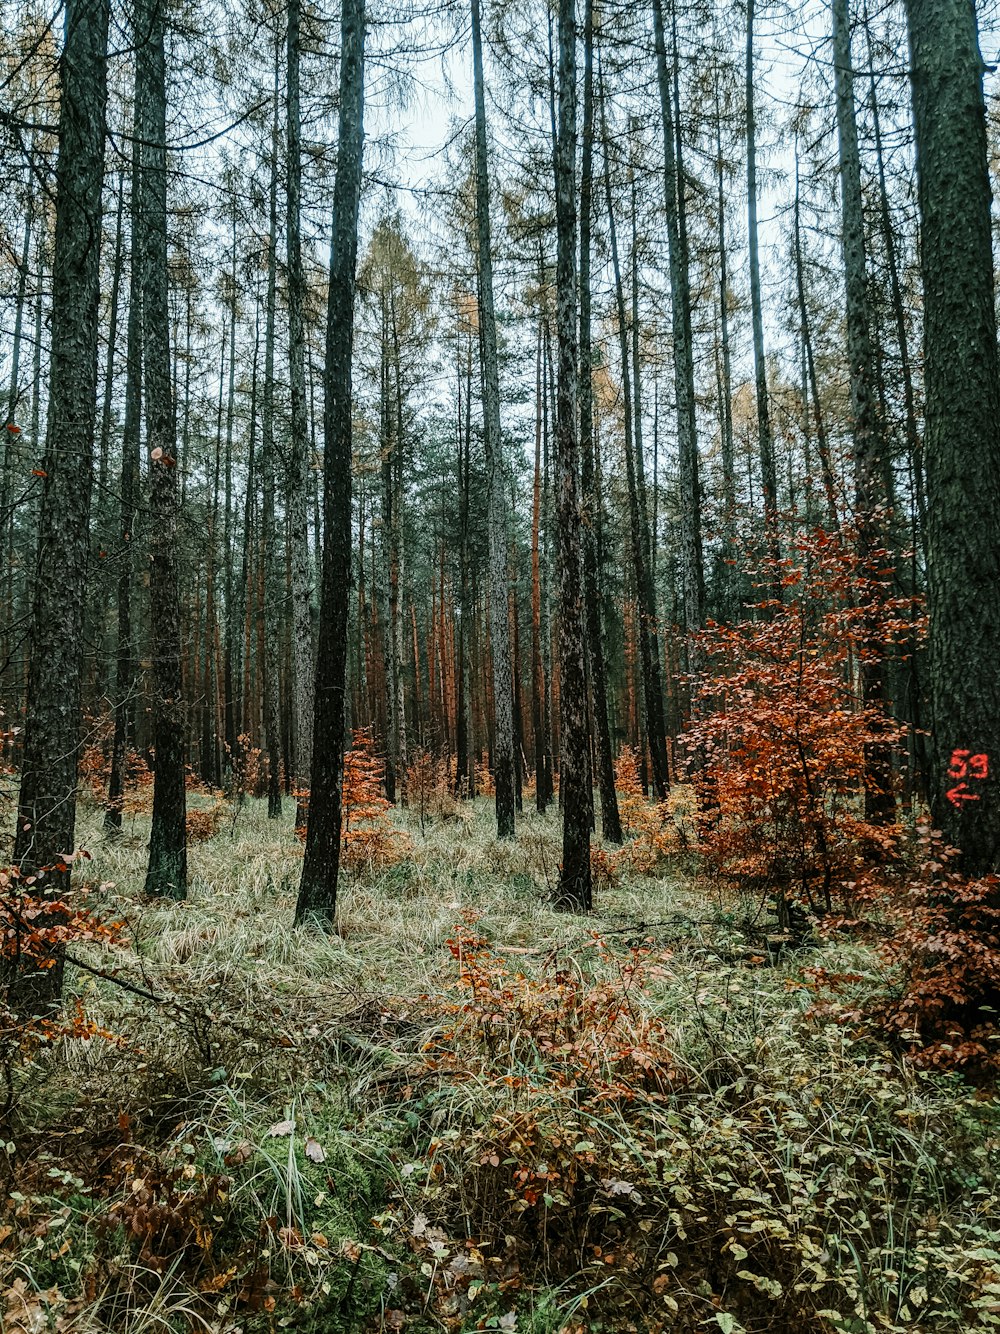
(271, 601)
(574, 890)
(692, 572)
(125, 670)
(962, 425)
(317, 898)
(765, 443)
(167, 868)
(503, 745)
(611, 826)
(46, 816)
(869, 441)
(303, 683)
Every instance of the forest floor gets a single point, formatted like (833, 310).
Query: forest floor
(467, 1111)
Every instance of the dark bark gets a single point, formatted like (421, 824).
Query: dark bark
(869, 441)
(962, 425)
(269, 610)
(303, 669)
(317, 898)
(692, 571)
(611, 827)
(574, 891)
(46, 816)
(503, 743)
(765, 441)
(125, 669)
(167, 868)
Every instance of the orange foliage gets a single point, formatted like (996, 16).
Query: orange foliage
(944, 944)
(369, 839)
(654, 828)
(782, 733)
(582, 1045)
(34, 929)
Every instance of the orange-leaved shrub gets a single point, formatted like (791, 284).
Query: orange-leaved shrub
(36, 929)
(653, 829)
(370, 841)
(564, 1052)
(943, 944)
(781, 734)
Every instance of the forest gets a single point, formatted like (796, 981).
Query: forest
(499, 649)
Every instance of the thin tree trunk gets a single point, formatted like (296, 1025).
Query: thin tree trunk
(270, 602)
(869, 441)
(167, 869)
(303, 678)
(765, 442)
(611, 827)
(125, 668)
(503, 747)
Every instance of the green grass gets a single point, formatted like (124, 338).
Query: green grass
(321, 1114)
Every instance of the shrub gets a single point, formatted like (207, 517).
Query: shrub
(781, 734)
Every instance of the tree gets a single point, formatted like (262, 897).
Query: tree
(574, 890)
(503, 744)
(869, 441)
(317, 898)
(962, 424)
(298, 458)
(46, 816)
(166, 872)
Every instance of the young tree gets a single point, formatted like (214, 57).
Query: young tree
(317, 899)
(46, 816)
(962, 424)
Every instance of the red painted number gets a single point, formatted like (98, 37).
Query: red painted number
(959, 766)
(966, 765)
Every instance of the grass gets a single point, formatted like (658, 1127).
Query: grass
(631, 1121)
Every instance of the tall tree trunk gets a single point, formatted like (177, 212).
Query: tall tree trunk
(166, 872)
(503, 745)
(574, 891)
(611, 826)
(317, 898)
(962, 424)
(125, 669)
(303, 683)
(46, 816)
(270, 604)
(765, 442)
(822, 443)
(869, 441)
(692, 572)
(649, 652)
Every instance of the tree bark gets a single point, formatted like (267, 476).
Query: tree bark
(574, 891)
(962, 425)
(611, 826)
(166, 872)
(46, 816)
(303, 668)
(869, 441)
(317, 898)
(503, 743)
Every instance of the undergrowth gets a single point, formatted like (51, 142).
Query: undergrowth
(466, 1111)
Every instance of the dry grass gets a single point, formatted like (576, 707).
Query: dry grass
(326, 1038)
